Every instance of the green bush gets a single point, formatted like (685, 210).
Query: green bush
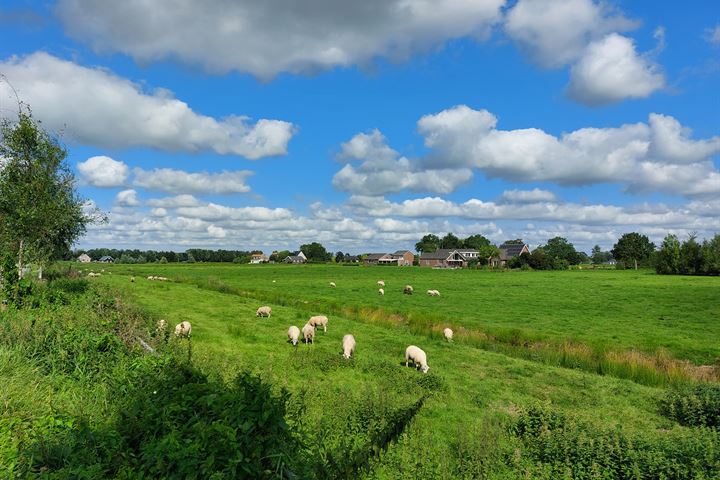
(699, 406)
(557, 447)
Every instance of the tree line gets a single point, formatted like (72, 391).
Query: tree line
(689, 257)
(191, 255)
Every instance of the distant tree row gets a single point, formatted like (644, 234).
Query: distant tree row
(556, 254)
(151, 256)
(689, 257)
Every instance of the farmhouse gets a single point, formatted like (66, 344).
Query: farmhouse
(448, 258)
(296, 257)
(84, 258)
(400, 258)
(258, 257)
(508, 251)
(106, 259)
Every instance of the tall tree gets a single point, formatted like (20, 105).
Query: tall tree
(668, 260)
(428, 243)
(633, 248)
(450, 241)
(562, 251)
(475, 241)
(41, 214)
(315, 252)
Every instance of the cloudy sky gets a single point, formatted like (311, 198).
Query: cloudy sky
(365, 125)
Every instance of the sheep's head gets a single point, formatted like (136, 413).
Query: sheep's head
(425, 368)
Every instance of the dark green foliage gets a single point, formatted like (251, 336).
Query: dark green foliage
(558, 447)
(697, 407)
(315, 252)
(428, 244)
(688, 258)
(450, 241)
(181, 424)
(633, 250)
(598, 256)
(15, 290)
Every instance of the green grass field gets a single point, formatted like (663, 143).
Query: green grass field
(371, 417)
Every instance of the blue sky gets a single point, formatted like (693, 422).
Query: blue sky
(366, 125)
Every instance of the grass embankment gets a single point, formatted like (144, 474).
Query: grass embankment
(656, 330)
(469, 400)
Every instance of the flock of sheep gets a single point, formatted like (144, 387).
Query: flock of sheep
(413, 353)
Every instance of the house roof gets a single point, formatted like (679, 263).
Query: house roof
(511, 249)
(401, 252)
(106, 258)
(294, 258)
(441, 254)
(375, 256)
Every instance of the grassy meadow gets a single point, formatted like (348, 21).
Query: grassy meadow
(655, 329)
(492, 406)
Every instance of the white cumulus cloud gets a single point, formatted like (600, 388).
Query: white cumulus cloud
(127, 198)
(96, 107)
(102, 171)
(611, 70)
(267, 37)
(382, 170)
(182, 182)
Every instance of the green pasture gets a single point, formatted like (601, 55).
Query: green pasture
(606, 309)
(474, 391)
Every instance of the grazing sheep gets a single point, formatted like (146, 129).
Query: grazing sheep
(381, 291)
(332, 284)
(93, 274)
(151, 278)
(433, 293)
(418, 357)
(263, 311)
(448, 334)
(132, 279)
(308, 332)
(319, 320)
(348, 344)
(381, 283)
(183, 329)
(408, 290)
(293, 334)
(161, 326)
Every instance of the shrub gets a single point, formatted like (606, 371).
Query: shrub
(699, 406)
(557, 447)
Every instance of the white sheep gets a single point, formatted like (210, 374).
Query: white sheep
(408, 290)
(418, 357)
(348, 345)
(161, 326)
(332, 284)
(381, 291)
(448, 334)
(433, 293)
(293, 334)
(264, 311)
(319, 320)
(308, 332)
(183, 329)
(132, 279)
(381, 283)
(151, 277)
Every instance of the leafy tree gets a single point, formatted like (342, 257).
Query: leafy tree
(190, 258)
(598, 256)
(429, 243)
(711, 256)
(450, 241)
(633, 248)
(691, 259)
(517, 241)
(315, 252)
(41, 214)
(562, 252)
(339, 257)
(475, 241)
(668, 260)
(486, 252)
